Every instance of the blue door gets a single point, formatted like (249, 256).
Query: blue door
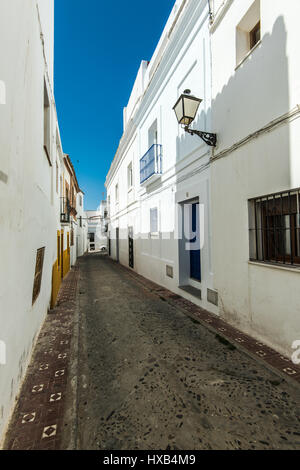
(195, 257)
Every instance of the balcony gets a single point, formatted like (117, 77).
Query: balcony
(65, 210)
(151, 165)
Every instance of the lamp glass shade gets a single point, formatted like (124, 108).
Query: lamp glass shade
(186, 109)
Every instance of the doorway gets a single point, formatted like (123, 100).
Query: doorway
(195, 256)
(130, 247)
(117, 244)
(189, 253)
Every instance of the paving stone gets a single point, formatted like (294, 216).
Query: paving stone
(151, 378)
(42, 398)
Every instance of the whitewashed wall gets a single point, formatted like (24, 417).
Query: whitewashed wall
(96, 225)
(28, 199)
(81, 232)
(181, 61)
(261, 300)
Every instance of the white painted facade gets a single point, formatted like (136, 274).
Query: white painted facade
(81, 227)
(251, 101)
(151, 211)
(31, 184)
(250, 91)
(97, 228)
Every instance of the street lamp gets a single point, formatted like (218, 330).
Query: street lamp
(186, 109)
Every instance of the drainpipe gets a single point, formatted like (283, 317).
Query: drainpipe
(211, 16)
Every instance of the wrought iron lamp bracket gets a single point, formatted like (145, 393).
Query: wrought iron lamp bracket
(209, 138)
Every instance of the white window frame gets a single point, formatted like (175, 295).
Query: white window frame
(130, 176)
(152, 231)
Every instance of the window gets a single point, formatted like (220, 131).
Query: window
(92, 237)
(129, 176)
(274, 223)
(80, 221)
(80, 200)
(47, 124)
(40, 254)
(154, 220)
(117, 193)
(152, 135)
(255, 35)
(57, 178)
(248, 32)
(72, 237)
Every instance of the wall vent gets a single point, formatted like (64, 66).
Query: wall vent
(212, 297)
(169, 271)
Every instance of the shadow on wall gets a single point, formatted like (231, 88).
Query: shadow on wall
(256, 94)
(187, 144)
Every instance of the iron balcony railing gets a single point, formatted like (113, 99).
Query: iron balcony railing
(65, 210)
(151, 163)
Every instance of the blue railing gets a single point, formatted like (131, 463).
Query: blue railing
(151, 163)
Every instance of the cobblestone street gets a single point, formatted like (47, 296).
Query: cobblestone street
(124, 368)
(150, 377)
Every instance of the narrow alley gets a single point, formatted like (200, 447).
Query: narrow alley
(150, 227)
(152, 378)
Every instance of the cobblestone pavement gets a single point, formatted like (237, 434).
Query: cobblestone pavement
(39, 419)
(152, 377)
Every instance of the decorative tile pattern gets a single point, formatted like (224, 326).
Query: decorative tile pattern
(28, 418)
(55, 397)
(289, 371)
(239, 340)
(49, 431)
(261, 353)
(62, 356)
(38, 388)
(42, 396)
(59, 373)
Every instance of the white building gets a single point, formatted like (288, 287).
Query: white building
(97, 228)
(35, 246)
(81, 227)
(241, 59)
(160, 173)
(256, 167)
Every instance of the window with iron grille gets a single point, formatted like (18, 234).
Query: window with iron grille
(40, 254)
(274, 225)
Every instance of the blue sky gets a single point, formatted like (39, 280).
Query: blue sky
(98, 49)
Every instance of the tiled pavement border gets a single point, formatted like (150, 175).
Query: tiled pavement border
(267, 356)
(38, 419)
